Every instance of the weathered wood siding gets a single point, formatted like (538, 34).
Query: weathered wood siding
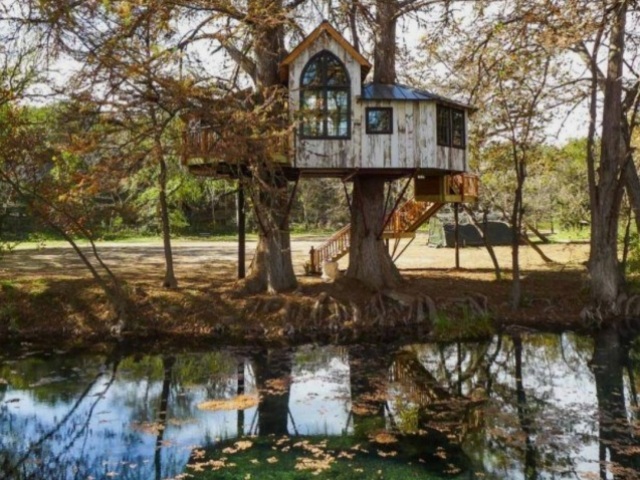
(412, 142)
(342, 153)
(411, 145)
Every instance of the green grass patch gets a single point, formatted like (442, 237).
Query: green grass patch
(571, 235)
(465, 325)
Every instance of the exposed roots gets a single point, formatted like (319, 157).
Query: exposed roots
(278, 317)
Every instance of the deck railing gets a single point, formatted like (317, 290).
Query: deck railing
(200, 140)
(465, 185)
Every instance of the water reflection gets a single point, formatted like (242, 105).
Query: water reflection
(520, 406)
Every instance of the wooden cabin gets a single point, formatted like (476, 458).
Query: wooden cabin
(345, 123)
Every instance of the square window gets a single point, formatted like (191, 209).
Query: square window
(450, 127)
(379, 120)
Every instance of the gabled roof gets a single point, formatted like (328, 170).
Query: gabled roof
(325, 26)
(398, 92)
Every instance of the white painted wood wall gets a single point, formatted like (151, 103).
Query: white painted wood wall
(411, 145)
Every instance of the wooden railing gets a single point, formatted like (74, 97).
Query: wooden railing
(200, 140)
(333, 249)
(465, 185)
(410, 216)
(406, 219)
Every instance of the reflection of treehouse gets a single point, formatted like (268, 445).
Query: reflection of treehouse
(437, 404)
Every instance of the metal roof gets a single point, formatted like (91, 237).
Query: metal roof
(396, 91)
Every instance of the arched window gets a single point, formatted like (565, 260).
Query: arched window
(325, 98)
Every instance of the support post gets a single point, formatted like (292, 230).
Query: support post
(241, 231)
(457, 235)
(312, 260)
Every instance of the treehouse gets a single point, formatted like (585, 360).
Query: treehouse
(341, 126)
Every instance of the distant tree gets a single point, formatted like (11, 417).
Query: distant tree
(59, 189)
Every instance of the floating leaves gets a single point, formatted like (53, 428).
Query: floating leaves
(240, 402)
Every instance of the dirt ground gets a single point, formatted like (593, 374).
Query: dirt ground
(147, 259)
(48, 291)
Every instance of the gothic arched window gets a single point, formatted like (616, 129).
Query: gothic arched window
(325, 98)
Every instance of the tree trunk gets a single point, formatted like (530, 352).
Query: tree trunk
(169, 275)
(483, 234)
(607, 280)
(516, 225)
(271, 269)
(369, 259)
(384, 56)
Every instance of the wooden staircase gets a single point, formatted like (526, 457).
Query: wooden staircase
(403, 224)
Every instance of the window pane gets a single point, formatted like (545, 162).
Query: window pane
(379, 120)
(311, 76)
(338, 124)
(457, 128)
(336, 73)
(444, 126)
(337, 113)
(337, 100)
(343, 126)
(312, 113)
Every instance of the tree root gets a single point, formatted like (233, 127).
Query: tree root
(280, 318)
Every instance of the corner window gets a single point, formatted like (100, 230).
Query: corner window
(325, 98)
(379, 120)
(450, 127)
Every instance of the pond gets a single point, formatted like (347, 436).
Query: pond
(518, 406)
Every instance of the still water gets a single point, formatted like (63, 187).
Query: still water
(521, 406)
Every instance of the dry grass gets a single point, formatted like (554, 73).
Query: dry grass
(48, 294)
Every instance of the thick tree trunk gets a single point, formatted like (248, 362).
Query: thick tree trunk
(369, 259)
(607, 280)
(384, 56)
(272, 268)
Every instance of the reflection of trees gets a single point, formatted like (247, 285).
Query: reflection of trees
(36, 462)
(434, 408)
(368, 377)
(524, 414)
(167, 364)
(442, 415)
(272, 368)
(616, 432)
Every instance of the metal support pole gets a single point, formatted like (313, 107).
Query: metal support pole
(457, 234)
(241, 231)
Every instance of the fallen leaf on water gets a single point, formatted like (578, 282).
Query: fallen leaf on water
(241, 402)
